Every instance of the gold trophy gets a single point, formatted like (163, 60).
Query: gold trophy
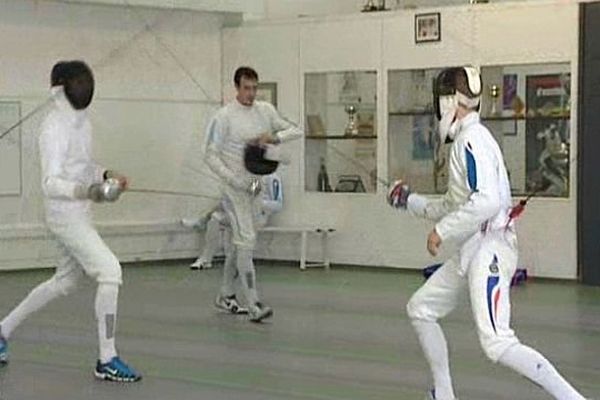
(494, 94)
(352, 125)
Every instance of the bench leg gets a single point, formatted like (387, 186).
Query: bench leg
(325, 249)
(303, 251)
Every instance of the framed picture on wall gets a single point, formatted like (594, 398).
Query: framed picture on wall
(428, 28)
(267, 91)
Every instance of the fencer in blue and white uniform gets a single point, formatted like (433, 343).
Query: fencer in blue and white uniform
(475, 213)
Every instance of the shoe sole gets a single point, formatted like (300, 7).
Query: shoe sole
(106, 377)
(197, 268)
(260, 317)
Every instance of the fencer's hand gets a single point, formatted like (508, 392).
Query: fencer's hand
(109, 191)
(123, 180)
(267, 138)
(255, 187)
(433, 243)
(94, 193)
(398, 195)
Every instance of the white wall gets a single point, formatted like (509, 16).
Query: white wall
(369, 232)
(148, 116)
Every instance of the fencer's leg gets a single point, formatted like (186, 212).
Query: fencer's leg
(489, 281)
(535, 367)
(93, 255)
(434, 300)
(241, 210)
(107, 296)
(245, 267)
(211, 243)
(227, 300)
(63, 281)
(257, 311)
(229, 269)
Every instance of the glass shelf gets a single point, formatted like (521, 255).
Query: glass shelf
(525, 118)
(341, 123)
(341, 137)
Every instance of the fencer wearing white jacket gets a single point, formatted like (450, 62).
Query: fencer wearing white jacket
(70, 177)
(475, 213)
(230, 130)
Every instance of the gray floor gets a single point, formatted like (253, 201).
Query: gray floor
(338, 335)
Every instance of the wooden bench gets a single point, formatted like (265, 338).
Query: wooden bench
(304, 232)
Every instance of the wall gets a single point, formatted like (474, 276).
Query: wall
(148, 116)
(369, 232)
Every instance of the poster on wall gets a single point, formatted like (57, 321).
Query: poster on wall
(548, 135)
(509, 91)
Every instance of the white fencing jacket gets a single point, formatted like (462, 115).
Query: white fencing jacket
(65, 146)
(478, 197)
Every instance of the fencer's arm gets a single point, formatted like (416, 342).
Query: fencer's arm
(434, 209)
(286, 131)
(289, 134)
(484, 201)
(431, 209)
(97, 173)
(53, 153)
(216, 165)
(212, 156)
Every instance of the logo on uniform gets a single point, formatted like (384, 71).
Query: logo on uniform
(494, 265)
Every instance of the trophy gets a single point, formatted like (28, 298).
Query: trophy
(494, 94)
(352, 125)
(370, 6)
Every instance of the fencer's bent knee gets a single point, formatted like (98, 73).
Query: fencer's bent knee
(63, 285)
(246, 241)
(415, 308)
(494, 346)
(110, 272)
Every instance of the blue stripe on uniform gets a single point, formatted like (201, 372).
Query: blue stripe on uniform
(491, 285)
(275, 188)
(471, 169)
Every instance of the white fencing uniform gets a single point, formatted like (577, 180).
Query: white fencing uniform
(66, 156)
(227, 135)
(475, 212)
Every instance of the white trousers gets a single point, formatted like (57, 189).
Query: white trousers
(484, 266)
